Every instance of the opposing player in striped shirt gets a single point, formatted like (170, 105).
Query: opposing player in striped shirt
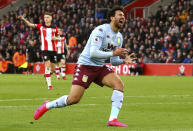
(48, 46)
(62, 51)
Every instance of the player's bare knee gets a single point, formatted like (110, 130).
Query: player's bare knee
(48, 64)
(118, 86)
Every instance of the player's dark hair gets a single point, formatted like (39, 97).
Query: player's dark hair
(48, 13)
(111, 12)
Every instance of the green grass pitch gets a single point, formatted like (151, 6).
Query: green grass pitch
(151, 103)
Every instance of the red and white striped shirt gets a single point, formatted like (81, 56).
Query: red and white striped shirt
(46, 37)
(61, 45)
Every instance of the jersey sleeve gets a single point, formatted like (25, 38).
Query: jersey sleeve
(63, 38)
(115, 60)
(38, 26)
(97, 38)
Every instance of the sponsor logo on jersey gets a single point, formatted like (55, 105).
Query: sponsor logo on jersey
(45, 57)
(110, 46)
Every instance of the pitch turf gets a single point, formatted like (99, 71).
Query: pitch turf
(151, 103)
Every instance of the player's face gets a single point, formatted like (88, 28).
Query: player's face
(47, 18)
(60, 31)
(119, 19)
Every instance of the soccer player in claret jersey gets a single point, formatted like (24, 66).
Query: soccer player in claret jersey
(61, 47)
(48, 46)
(104, 42)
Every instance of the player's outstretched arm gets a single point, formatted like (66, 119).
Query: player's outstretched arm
(26, 21)
(67, 49)
(58, 38)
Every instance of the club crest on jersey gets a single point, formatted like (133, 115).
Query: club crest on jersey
(84, 78)
(118, 40)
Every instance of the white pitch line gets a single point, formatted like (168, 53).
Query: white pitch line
(161, 103)
(29, 99)
(35, 106)
(158, 96)
(126, 104)
(154, 96)
(151, 96)
(170, 129)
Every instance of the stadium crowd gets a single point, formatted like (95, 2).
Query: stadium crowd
(166, 37)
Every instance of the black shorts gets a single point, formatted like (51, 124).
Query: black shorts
(50, 55)
(60, 56)
(31, 58)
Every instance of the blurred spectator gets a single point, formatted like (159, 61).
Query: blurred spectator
(178, 58)
(72, 41)
(155, 58)
(174, 28)
(139, 68)
(10, 66)
(18, 59)
(170, 57)
(31, 55)
(188, 59)
(183, 16)
(99, 14)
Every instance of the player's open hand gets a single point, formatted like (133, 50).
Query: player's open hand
(54, 38)
(120, 52)
(20, 17)
(130, 58)
(68, 54)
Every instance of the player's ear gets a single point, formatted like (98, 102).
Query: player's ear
(112, 18)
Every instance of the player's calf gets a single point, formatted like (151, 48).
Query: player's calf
(58, 103)
(73, 100)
